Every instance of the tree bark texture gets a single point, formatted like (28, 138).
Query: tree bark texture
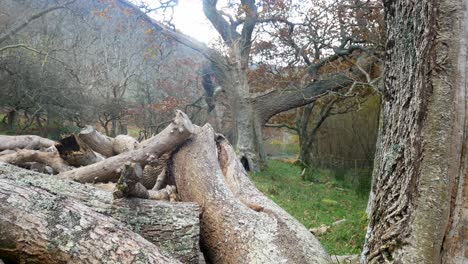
(24, 142)
(109, 169)
(420, 178)
(40, 227)
(247, 128)
(124, 143)
(238, 228)
(173, 227)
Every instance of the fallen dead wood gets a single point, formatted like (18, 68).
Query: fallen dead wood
(24, 142)
(76, 153)
(40, 227)
(109, 169)
(155, 173)
(98, 142)
(22, 156)
(243, 189)
(173, 227)
(124, 143)
(129, 185)
(236, 231)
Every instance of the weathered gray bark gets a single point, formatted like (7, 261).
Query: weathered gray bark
(123, 143)
(238, 228)
(24, 142)
(100, 143)
(109, 169)
(40, 227)
(23, 156)
(173, 227)
(417, 213)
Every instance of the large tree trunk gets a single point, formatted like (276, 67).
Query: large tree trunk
(418, 214)
(246, 129)
(109, 169)
(240, 225)
(173, 227)
(40, 227)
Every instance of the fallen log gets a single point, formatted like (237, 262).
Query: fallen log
(40, 227)
(76, 153)
(24, 142)
(173, 227)
(243, 189)
(124, 143)
(234, 231)
(109, 169)
(98, 142)
(22, 156)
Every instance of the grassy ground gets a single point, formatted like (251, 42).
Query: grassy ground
(314, 204)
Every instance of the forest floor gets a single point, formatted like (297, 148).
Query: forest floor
(322, 201)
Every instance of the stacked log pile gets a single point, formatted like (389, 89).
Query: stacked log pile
(69, 217)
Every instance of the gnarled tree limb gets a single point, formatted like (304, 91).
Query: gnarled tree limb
(235, 231)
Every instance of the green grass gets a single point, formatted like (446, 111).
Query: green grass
(323, 201)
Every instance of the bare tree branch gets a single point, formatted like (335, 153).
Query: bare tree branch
(30, 19)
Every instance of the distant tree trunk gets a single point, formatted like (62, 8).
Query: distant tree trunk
(305, 137)
(113, 131)
(12, 120)
(418, 212)
(123, 127)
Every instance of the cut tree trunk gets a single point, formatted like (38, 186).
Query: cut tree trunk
(76, 153)
(173, 227)
(22, 156)
(24, 142)
(418, 212)
(109, 169)
(238, 228)
(40, 227)
(98, 142)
